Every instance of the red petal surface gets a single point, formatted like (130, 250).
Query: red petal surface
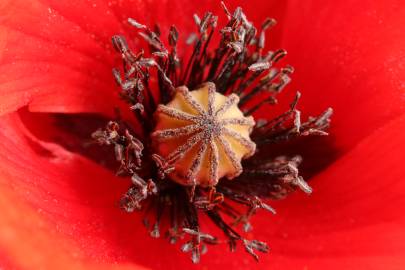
(56, 56)
(348, 55)
(50, 203)
(354, 218)
(59, 210)
(28, 241)
(354, 214)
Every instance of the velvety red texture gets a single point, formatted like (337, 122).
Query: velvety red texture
(58, 209)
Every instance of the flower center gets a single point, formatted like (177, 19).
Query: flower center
(203, 135)
(212, 126)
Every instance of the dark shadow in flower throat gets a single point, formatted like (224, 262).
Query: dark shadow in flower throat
(73, 131)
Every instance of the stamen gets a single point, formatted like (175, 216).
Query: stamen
(206, 129)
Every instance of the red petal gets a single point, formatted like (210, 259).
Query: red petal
(52, 62)
(31, 242)
(54, 204)
(349, 218)
(56, 55)
(73, 198)
(354, 216)
(348, 55)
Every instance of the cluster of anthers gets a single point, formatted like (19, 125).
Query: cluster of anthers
(201, 152)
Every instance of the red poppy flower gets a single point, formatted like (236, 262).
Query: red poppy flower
(58, 208)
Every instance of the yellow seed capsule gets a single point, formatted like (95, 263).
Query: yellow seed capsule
(204, 135)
